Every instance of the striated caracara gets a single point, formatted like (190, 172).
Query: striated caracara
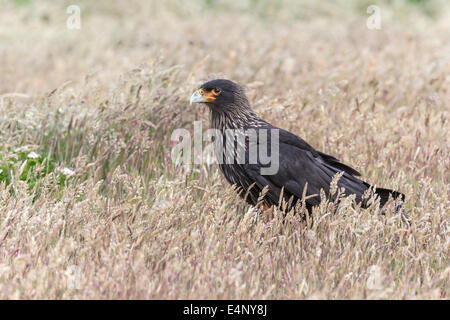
(256, 156)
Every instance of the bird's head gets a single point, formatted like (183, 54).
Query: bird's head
(220, 94)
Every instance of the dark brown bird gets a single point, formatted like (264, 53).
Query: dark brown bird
(255, 155)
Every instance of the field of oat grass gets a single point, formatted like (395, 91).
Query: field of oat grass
(93, 207)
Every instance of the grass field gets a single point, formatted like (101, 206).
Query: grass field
(93, 207)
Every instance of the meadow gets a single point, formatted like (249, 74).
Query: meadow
(92, 205)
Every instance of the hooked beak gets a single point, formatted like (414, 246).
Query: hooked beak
(197, 97)
(201, 95)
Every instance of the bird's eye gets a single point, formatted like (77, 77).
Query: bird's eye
(216, 91)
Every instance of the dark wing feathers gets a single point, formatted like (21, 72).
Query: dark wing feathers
(299, 163)
(337, 164)
(290, 138)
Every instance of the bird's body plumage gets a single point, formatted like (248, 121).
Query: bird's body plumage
(299, 164)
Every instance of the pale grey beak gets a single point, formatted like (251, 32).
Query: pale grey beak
(197, 97)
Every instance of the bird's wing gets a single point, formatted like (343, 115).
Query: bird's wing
(300, 164)
(290, 138)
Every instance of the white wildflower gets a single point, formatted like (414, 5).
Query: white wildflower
(33, 155)
(67, 172)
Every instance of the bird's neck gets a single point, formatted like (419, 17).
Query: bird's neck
(235, 118)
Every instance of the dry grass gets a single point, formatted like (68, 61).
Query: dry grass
(104, 100)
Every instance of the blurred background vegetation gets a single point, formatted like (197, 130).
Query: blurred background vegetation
(405, 10)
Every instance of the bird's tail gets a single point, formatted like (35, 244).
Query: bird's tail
(384, 195)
